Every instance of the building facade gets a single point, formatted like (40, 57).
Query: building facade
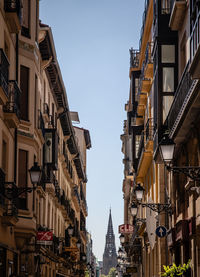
(163, 105)
(36, 129)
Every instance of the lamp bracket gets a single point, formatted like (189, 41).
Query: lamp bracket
(192, 172)
(13, 192)
(158, 207)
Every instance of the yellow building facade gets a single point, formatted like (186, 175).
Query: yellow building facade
(36, 127)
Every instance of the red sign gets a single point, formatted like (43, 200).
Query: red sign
(44, 237)
(126, 228)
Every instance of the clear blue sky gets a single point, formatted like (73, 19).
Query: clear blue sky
(92, 39)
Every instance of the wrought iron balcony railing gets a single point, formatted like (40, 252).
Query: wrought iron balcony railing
(195, 38)
(141, 146)
(146, 6)
(180, 97)
(13, 104)
(134, 58)
(149, 130)
(4, 72)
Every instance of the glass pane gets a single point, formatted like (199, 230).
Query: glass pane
(167, 102)
(168, 53)
(168, 79)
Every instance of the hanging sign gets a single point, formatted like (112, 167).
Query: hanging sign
(45, 238)
(126, 229)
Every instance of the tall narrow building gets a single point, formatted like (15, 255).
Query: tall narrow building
(109, 256)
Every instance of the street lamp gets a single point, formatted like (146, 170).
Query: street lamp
(35, 174)
(157, 207)
(70, 230)
(167, 148)
(139, 191)
(134, 209)
(122, 238)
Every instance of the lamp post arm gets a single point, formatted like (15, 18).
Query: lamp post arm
(192, 172)
(157, 207)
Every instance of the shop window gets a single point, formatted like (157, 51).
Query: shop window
(167, 102)
(24, 85)
(168, 53)
(22, 177)
(25, 31)
(168, 79)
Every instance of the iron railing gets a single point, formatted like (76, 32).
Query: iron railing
(134, 57)
(195, 38)
(146, 6)
(149, 130)
(14, 93)
(180, 96)
(4, 72)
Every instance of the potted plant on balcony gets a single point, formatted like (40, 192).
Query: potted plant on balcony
(175, 271)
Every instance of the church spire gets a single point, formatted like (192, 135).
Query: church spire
(109, 256)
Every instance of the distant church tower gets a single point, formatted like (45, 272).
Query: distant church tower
(109, 256)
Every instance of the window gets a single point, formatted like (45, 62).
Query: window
(4, 157)
(137, 144)
(168, 53)
(22, 177)
(168, 79)
(26, 18)
(183, 54)
(167, 102)
(24, 85)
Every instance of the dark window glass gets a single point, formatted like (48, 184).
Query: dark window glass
(24, 85)
(22, 177)
(26, 18)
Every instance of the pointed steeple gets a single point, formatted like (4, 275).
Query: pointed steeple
(110, 225)
(109, 256)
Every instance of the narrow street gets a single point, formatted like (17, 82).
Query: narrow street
(99, 138)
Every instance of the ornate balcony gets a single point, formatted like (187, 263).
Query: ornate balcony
(11, 109)
(178, 9)
(182, 99)
(12, 10)
(4, 72)
(195, 49)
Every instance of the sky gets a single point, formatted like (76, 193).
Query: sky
(92, 40)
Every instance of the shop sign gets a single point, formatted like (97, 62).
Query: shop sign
(126, 229)
(45, 238)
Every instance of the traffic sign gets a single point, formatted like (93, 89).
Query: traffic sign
(161, 231)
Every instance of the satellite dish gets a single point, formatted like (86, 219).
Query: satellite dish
(151, 224)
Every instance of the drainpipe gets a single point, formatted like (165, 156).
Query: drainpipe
(15, 136)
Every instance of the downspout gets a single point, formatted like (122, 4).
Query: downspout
(15, 136)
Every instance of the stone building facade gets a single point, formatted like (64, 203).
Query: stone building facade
(163, 104)
(36, 128)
